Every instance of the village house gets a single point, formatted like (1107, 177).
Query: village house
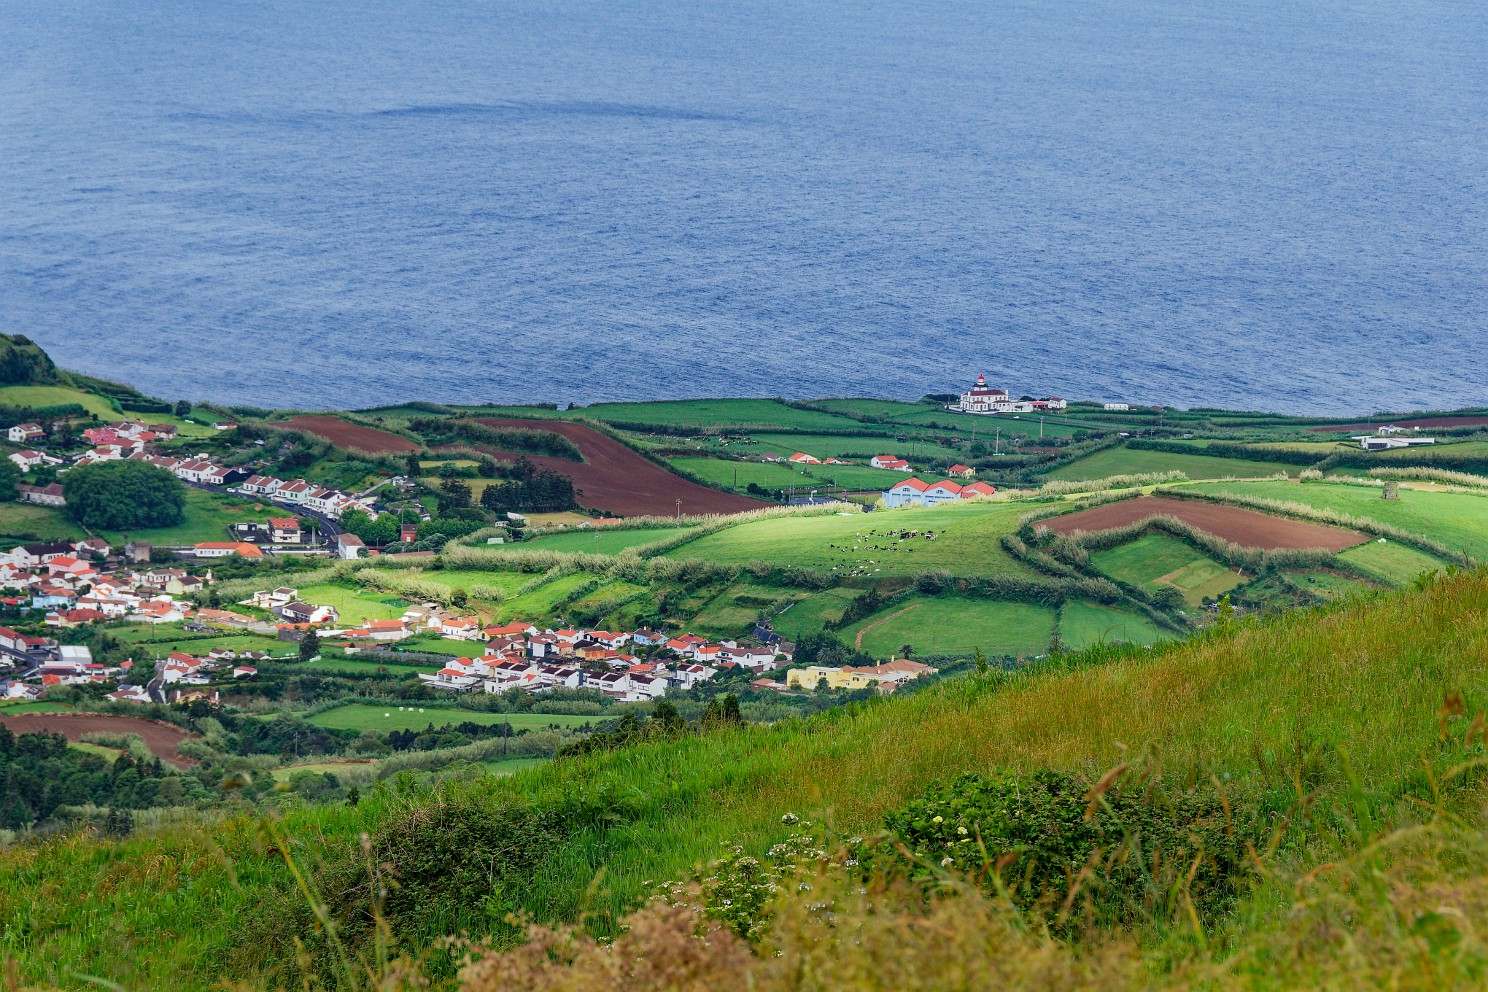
(299, 612)
(25, 433)
(28, 459)
(801, 458)
(284, 530)
(349, 546)
(222, 549)
(48, 495)
(961, 471)
(892, 462)
(272, 599)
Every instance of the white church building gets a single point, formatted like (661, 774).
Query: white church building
(982, 398)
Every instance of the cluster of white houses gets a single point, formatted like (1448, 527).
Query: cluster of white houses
(982, 398)
(298, 492)
(521, 658)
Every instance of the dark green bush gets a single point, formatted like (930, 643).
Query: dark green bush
(1074, 851)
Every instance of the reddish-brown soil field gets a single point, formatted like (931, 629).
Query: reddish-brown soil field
(160, 738)
(613, 477)
(1417, 422)
(1244, 527)
(347, 435)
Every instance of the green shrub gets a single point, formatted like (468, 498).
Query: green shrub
(1069, 849)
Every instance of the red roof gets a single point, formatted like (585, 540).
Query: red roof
(914, 484)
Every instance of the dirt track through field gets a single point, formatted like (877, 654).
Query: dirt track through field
(160, 738)
(858, 641)
(1247, 528)
(1415, 422)
(613, 477)
(348, 435)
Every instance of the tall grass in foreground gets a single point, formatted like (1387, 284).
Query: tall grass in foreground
(1347, 701)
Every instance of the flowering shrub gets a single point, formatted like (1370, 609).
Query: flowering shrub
(739, 890)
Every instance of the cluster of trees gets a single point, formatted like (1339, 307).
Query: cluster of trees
(443, 431)
(124, 495)
(40, 774)
(531, 490)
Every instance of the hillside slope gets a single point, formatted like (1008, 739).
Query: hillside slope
(1256, 705)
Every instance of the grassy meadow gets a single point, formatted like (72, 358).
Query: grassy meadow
(1132, 461)
(43, 396)
(21, 523)
(728, 415)
(361, 716)
(208, 517)
(1083, 624)
(869, 544)
(953, 625)
(596, 540)
(1155, 560)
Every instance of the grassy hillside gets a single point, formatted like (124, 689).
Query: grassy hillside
(966, 541)
(1254, 706)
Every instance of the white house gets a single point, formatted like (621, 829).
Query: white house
(893, 462)
(21, 433)
(28, 459)
(349, 546)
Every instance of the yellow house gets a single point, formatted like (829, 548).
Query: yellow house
(884, 678)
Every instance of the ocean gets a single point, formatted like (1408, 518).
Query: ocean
(1262, 204)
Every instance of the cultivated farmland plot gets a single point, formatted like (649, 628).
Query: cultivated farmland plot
(1458, 520)
(1247, 528)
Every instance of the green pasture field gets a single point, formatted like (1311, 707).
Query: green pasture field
(735, 609)
(356, 665)
(1131, 461)
(1399, 563)
(361, 716)
(1457, 519)
(109, 754)
(40, 396)
(609, 595)
(864, 407)
(427, 644)
(984, 426)
(355, 605)
(25, 522)
(812, 614)
(734, 415)
(1156, 560)
(539, 603)
(454, 578)
(867, 544)
(321, 767)
(774, 475)
(1329, 585)
(208, 517)
(199, 646)
(1083, 623)
(596, 540)
(1314, 450)
(955, 625)
(14, 707)
(855, 449)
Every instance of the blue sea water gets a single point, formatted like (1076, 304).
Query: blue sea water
(1276, 204)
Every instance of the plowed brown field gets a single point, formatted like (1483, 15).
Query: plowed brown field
(160, 738)
(347, 435)
(1244, 527)
(613, 477)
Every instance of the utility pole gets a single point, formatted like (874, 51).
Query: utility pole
(997, 442)
(1041, 428)
(679, 509)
